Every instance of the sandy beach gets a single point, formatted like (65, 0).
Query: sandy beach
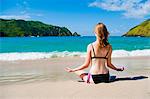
(42, 42)
(46, 79)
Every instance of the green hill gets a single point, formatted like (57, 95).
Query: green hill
(20, 28)
(142, 30)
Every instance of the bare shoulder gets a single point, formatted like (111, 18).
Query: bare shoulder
(89, 46)
(109, 46)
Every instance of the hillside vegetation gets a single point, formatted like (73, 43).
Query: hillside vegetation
(142, 30)
(21, 28)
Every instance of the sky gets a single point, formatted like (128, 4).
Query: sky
(80, 16)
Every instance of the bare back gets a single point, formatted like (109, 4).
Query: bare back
(98, 59)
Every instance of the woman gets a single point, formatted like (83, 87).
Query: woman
(99, 55)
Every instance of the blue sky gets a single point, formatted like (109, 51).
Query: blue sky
(80, 15)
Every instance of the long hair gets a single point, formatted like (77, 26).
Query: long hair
(102, 34)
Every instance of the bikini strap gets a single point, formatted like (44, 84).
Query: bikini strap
(93, 49)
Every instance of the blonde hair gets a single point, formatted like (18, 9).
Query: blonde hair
(102, 34)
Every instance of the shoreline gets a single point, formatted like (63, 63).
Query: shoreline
(14, 56)
(127, 57)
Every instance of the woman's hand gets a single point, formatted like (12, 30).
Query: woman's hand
(69, 69)
(120, 69)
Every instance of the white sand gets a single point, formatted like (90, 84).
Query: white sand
(66, 86)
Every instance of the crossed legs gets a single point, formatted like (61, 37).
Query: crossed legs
(84, 76)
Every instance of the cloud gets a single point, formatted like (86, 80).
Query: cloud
(22, 9)
(23, 6)
(15, 16)
(23, 12)
(129, 8)
(39, 14)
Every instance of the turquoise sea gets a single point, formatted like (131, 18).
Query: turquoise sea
(14, 48)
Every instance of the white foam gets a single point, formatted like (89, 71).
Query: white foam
(40, 55)
(124, 53)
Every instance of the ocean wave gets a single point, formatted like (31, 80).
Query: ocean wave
(55, 54)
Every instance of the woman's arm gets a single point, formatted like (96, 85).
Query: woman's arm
(86, 63)
(109, 64)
